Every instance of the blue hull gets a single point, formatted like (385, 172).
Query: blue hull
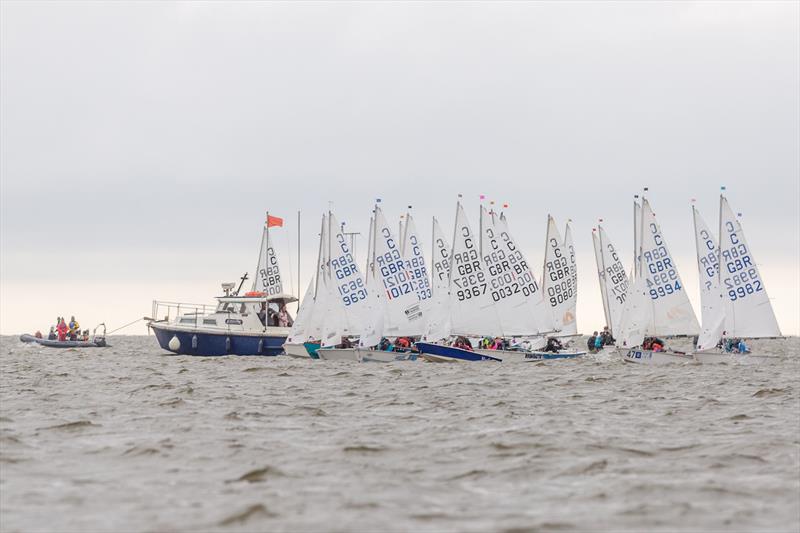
(204, 343)
(450, 352)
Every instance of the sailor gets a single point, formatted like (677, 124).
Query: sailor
(38, 334)
(591, 341)
(608, 339)
(74, 327)
(742, 347)
(554, 345)
(52, 335)
(262, 313)
(599, 342)
(402, 343)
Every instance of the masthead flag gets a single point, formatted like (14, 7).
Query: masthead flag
(274, 221)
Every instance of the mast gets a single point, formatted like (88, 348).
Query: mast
(641, 252)
(635, 244)
(480, 232)
(319, 256)
(606, 303)
(719, 263)
(405, 233)
(299, 285)
(369, 241)
(433, 252)
(453, 245)
(544, 261)
(261, 251)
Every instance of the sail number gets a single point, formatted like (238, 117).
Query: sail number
(743, 279)
(344, 266)
(663, 278)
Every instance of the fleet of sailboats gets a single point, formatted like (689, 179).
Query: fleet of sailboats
(477, 298)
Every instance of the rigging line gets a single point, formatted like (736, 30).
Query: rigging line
(125, 326)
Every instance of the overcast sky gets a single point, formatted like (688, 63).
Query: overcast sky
(142, 143)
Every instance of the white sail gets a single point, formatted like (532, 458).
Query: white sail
(570, 326)
(299, 331)
(472, 310)
(268, 274)
(748, 311)
(347, 288)
(559, 293)
(712, 309)
(536, 308)
(637, 228)
(403, 313)
(509, 285)
(613, 279)
(672, 313)
(415, 261)
(637, 314)
(598, 258)
(437, 317)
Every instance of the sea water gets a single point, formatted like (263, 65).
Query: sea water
(131, 438)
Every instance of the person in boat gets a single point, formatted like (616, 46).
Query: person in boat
(38, 334)
(52, 335)
(62, 330)
(598, 343)
(74, 326)
(385, 345)
(262, 313)
(346, 343)
(553, 345)
(657, 346)
(463, 343)
(86, 335)
(741, 347)
(608, 339)
(590, 343)
(272, 316)
(283, 317)
(402, 343)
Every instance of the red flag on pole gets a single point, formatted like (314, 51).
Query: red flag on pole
(274, 221)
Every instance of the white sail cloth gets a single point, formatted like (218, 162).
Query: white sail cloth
(437, 317)
(570, 321)
(510, 284)
(671, 313)
(614, 281)
(748, 311)
(398, 284)
(268, 274)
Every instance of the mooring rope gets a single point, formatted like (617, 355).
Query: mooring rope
(125, 326)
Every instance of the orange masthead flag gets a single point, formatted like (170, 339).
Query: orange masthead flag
(274, 221)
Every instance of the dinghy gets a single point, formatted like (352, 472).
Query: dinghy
(734, 297)
(397, 287)
(351, 309)
(657, 304)
(492, 292)
(304, 338)
(612, 278)
(98, 341)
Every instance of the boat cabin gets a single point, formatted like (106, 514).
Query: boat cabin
(251, 312)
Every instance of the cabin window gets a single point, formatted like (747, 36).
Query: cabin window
(233, 321)
(210, 321)
(188, 320)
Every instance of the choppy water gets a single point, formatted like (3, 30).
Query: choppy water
(129, 438)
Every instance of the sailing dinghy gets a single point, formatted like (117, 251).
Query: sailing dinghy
(734, 298)
(613, 281)
(657, 304)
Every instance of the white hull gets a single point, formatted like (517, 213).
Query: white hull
(649, 357)
(507, 356)
(338, 354)
(381, 356)
(296, 350)
(734, 358)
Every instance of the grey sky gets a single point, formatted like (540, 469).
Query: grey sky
(141, 143)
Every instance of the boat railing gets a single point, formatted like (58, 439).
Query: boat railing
(163, 310)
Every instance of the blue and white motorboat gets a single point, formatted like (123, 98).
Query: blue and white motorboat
(235, 327)
(256, 323)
